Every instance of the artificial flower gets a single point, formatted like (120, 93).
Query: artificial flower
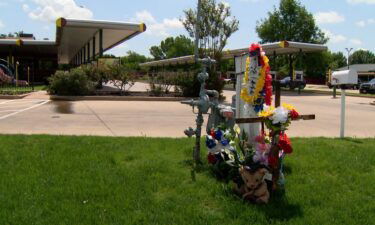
(224, 142)
(280, 115)
(288, 106)
(284, 143)
(294, 114)
(218, 135)
(237, 129)
(260, 139)
(210, 142)
(211, 158)
(212, 132)
(266, 112)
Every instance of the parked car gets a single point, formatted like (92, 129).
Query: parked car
(288, 83)
(368, 87)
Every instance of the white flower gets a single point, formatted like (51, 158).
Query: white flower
(280, 115)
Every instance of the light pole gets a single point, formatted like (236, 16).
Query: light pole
(348, 50)
(342, 124)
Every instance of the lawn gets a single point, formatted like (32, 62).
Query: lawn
(13, 90)
(102, 180)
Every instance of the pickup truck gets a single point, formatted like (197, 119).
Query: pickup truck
(368, 87)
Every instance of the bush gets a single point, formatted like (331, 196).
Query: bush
(188, 84)
(75, 82)
(96, 74)
(121, 77)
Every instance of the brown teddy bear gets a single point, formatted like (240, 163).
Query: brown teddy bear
(254, 188)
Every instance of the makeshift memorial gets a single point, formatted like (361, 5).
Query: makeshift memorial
(257, 82)
(256, 169)
(255, 187)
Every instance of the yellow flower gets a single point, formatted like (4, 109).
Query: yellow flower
(250, 99)
(288, 106)
(267, 112)
(237, 129)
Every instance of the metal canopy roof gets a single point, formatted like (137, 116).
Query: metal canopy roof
(32, 47)
(73, 35)
(276, 48)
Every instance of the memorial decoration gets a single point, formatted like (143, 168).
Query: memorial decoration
(256, 170)
(254, 162)
(257, 82)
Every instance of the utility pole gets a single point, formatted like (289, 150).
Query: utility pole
(348, 50)
(197, 30)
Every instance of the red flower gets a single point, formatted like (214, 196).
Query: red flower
(259, 139)
(294, 114)
(211, 158)
(212, 133)
(255, 47)
(268, 89)
(284, 143)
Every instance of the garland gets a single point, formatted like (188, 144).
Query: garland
(251, 99)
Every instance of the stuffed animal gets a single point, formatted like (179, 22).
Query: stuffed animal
(254, 188)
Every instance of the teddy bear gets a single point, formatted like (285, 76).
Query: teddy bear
(254, 188)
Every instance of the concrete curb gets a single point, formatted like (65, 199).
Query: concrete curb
(116, 98)
(331, 93)
(14, 96)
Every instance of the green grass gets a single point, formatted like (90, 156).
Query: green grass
(13, 90)
(100, 180)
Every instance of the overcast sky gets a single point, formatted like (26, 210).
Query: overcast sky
(348, 23)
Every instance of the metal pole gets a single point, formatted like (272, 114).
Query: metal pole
(88, 52)
(334, 91)
(197, 30)
(28, 75)
(100, 43)
(348, 51)
(93, 48)
(342, 125)
(17, 74)
(277, 93)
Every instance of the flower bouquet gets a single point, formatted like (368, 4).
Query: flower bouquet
(234, 159)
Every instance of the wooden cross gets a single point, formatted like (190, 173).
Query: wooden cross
(275, 149)
(277, 104)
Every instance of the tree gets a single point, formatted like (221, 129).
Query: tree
(291, 22)
(216, 26)
(173, 47)
(338, 60)
(132, 60)
(362, 57)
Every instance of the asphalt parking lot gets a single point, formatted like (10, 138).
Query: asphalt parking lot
(168, 119)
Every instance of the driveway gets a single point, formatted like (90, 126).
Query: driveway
(38, 115)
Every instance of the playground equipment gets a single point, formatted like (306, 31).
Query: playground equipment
(10, 75)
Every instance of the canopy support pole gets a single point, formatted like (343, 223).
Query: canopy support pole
(93, 47)
(101, 43)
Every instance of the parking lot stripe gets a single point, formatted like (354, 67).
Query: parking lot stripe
(23, 110)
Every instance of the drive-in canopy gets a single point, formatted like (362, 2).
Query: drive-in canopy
(80, 40)
(27, 47)
(276, 48)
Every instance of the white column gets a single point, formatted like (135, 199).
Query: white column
(251, 129)
(342, 124)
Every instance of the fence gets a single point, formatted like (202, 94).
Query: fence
(11, 86)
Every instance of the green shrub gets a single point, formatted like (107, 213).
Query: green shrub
(121, 77)
(96, 74)
(188, 84)
(75, 82)
(156, 89)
